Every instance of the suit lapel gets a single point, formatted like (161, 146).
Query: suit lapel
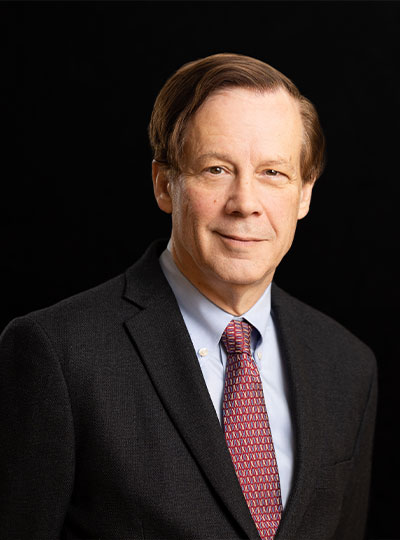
(160, 335)
(300, 361)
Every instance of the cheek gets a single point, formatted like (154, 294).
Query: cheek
(200, 208)
(185, 216)
(282, 213)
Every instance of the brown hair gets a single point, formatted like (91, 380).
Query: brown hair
(189, 87)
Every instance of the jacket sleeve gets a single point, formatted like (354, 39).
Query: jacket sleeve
(355, 504)
(36, 435)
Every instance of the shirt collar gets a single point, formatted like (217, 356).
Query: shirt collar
(204, 320)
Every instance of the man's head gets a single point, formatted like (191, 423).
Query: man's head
(237, 150)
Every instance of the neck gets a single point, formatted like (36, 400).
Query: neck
(233, 298)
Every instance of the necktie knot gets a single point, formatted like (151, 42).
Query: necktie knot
(236, 337)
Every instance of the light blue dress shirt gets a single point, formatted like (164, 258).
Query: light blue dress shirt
(206, 322)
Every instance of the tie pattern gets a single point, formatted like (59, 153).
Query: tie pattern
(247, 431)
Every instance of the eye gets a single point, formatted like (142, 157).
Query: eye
(215, 170)
(274, 177)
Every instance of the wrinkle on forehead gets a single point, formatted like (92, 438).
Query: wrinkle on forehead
(247, 125)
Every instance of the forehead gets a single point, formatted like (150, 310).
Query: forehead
(247, 122)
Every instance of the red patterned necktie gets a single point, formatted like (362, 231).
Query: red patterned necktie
(247, 431)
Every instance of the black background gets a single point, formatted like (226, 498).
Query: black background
(78, 81)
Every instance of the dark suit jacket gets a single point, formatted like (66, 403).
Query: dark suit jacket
(108, 431)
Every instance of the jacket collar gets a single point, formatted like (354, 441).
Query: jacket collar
(301, 360)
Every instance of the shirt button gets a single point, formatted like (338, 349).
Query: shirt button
(259, 354)
(203, 351)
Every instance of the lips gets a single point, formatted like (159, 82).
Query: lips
(240, 238)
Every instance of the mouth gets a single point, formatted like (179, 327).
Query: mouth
(240, 240)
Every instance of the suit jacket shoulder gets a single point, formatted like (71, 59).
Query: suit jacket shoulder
(320, 331)
(97, 314)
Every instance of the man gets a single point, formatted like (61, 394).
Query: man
(190, 397)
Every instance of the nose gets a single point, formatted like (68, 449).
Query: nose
(243, 197)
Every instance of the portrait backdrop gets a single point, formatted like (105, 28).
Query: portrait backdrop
(78, 83)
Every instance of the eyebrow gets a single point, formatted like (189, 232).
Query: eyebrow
(278, 162)
(225, 157)
(217, 155)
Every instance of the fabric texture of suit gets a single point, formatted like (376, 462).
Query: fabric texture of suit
(108, 430)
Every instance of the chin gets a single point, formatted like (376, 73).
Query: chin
(244, 276)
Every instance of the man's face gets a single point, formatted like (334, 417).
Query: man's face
(235, 206)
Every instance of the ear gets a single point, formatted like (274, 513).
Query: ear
(161, 187)
(305, 199)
